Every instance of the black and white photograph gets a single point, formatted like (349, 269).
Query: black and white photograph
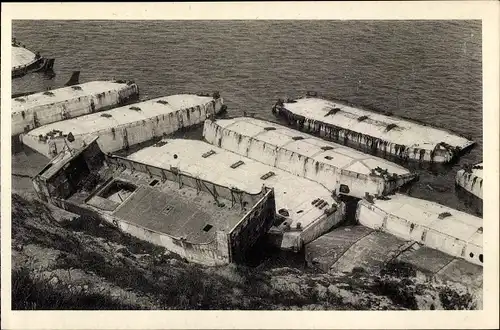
(248, 164)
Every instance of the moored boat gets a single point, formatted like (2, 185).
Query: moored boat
(341, 169)
(373, 132)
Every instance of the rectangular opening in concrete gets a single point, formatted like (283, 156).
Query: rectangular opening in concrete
(267, 175)
(153, 183)
(207, 228)
(118, 191)
(237, 164)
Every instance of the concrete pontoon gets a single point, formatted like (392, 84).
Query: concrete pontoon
(305, 209)
(162, 206)
(123, 127)
(25, 61)
(370, 131)
(47, 107)
(339, 168)
(471, 179)
(346, 248)
(433, 225)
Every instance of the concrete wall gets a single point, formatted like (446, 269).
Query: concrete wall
(254, 225)
(121, 137)
(295, 163)
(29, 118)
(470, 182)
(366, 142)
(373, 217)
(236, 196)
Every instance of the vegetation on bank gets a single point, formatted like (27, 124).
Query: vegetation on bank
(84, 264)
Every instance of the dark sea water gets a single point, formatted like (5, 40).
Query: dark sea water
(432, 69)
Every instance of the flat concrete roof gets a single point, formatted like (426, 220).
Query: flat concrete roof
(125, 115)
(339, 156)
(293, 193)
(426, 213)
(65, 94)
(406, 132)
(178, 212)
(21, 56)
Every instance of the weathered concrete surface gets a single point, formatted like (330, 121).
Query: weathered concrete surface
(22, 57)
(302, 220)
(186, 215)
(471, 180)
(433, 225)
(344, 249)
(126, 126)
(44, 108)
(338, 168)
(364, 129)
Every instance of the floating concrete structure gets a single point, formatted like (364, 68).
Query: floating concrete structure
(47, 107)
(339, 168)
(123, 127)
(373, 132)
(346, 248)
(201, 221)
(433, 225)
(471, 179)
(25, 61)
(305, 209)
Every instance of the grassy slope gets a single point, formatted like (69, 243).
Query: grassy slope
(81, 264)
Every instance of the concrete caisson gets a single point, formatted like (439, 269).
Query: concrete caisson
(370, 131)
(305, 209)
(32, 111)
(431, 224)
(471, 179)
(123, 127)
(338, 168)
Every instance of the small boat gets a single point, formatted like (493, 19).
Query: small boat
(370, 131)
